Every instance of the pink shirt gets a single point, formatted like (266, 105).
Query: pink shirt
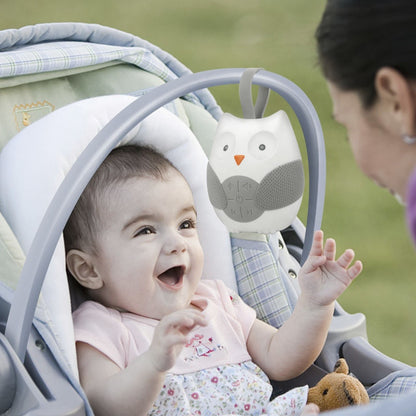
(122, 336)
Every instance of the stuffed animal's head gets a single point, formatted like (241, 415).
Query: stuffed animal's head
(338, 389)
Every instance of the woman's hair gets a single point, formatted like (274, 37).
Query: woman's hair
(122, 164)
(355, 38)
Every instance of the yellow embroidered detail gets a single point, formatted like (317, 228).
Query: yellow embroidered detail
(26, 114)
(26, 119)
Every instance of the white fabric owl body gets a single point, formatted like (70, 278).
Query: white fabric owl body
(255, 173)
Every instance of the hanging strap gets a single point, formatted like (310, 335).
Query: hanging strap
(246, 97)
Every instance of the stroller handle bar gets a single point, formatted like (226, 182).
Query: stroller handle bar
(46, 238)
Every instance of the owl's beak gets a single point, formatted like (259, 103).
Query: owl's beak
(238, 159)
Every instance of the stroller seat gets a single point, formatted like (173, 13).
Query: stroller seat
(57, 142)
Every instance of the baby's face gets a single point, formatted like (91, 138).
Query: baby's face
(149, 255)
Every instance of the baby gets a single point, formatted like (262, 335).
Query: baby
(154, 338)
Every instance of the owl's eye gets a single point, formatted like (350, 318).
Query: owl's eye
(224, 143)
(263, 145)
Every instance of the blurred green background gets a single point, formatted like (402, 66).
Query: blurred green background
(277, 36)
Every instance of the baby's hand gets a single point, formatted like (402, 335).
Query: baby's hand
(322, 278)
(171, 335)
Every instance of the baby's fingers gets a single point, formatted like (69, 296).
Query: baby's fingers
(330, 249)
(345, 260)
(317, 244)
(355, 269)
(190, 322)
(184, 320)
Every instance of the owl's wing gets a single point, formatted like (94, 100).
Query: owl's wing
(215, 190)
(281, 187)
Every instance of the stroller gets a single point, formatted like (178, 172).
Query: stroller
(73, 91)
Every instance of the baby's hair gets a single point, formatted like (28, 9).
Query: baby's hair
(123, 163)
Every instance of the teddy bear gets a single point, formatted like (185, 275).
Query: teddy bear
(338, 389)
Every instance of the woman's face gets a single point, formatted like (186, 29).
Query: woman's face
(377, 149)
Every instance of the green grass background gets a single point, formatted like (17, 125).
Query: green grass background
(278, 36)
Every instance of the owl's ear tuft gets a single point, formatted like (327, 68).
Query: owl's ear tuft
(280, 118)
(225, 121)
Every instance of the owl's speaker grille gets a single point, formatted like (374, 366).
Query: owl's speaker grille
(281, 187)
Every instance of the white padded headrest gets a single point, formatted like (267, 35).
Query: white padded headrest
(35, 162)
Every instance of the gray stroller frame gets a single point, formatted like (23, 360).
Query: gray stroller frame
(31, 381)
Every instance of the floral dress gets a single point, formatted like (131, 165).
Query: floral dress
(239, 389)
(214, 374)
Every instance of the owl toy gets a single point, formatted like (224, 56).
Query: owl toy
(255, 173)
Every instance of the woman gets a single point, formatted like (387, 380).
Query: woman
(367, 52)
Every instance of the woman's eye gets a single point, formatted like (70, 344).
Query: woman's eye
(188, 224)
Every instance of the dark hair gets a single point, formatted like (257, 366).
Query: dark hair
(123, 163)
(355, 38)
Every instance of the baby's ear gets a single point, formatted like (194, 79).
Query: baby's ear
(81, 266)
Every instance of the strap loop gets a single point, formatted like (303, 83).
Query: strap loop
(246, 97)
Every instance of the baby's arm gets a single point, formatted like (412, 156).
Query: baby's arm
(286, 353)
(132, 391)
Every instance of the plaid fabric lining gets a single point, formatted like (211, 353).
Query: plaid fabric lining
(58, 56)
(259, 284)
(399, 386)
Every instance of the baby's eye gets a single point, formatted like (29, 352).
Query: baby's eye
(187, 224)
(144, 231)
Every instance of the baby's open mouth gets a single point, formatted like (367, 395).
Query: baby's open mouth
(172, 277)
